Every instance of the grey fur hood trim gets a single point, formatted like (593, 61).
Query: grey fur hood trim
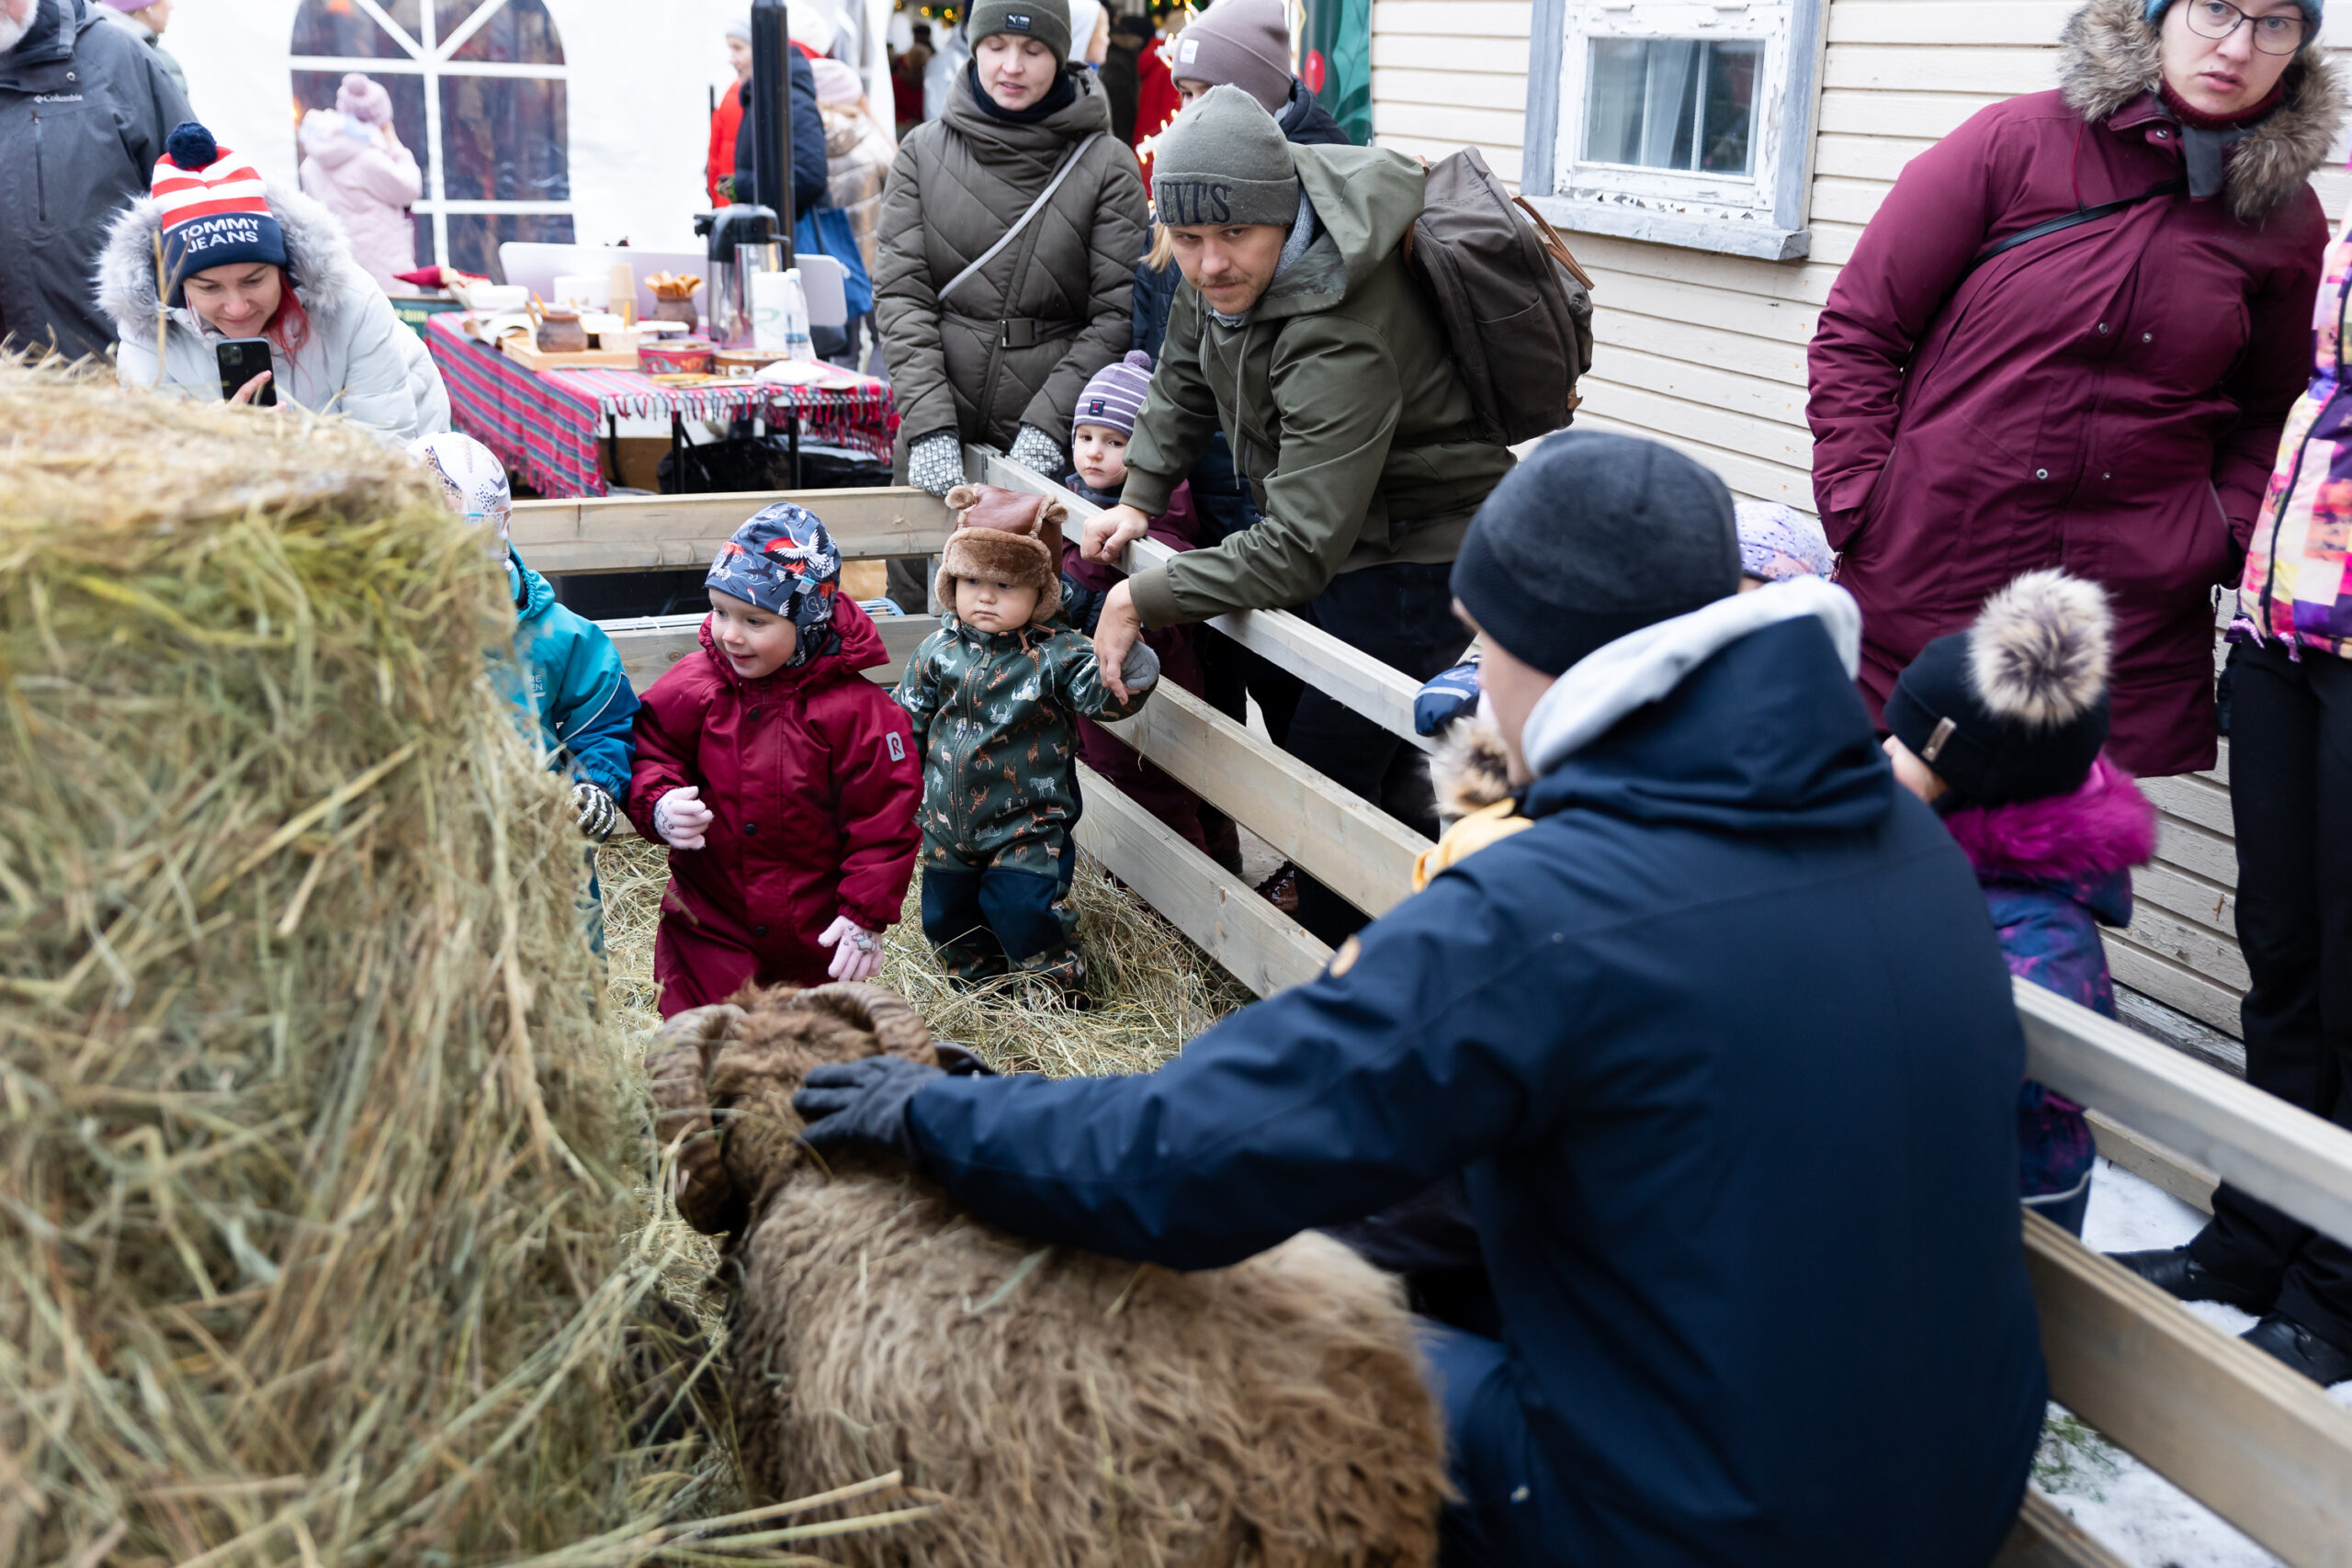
(2107, 60)
(316, 253)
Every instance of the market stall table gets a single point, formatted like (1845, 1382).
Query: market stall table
(548, 427)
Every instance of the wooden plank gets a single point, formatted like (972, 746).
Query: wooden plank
(1865, 157)
(1746, 474)
(1705, 382)
(1931, 116)
(1698, 343)
(2046, 1538)
(1456, 123)
(1455, 18)
(1257, 944)
(1896, 69)
(2151, 1161)
(2260, 1446)
(1450, 52)
(2197, 851)
(1769, 441)
(2190, 898)
(2023, 22)
(2193, 799)
(1849, 201)
(2197, 949)
(1504, 161)
(2170, 1026)
(2250, 1139)
(1802, 283)
(2170, 984)
(648, 645)
(1423, 81)
(596, 534)
(1381, 694)
(1674, 298)
(1344, 841)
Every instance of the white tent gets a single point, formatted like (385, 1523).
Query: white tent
(524, 112)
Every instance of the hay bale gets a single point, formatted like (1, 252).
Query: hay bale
(315, 1201)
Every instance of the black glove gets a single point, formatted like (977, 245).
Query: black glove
(595, 810)
(862, 1102)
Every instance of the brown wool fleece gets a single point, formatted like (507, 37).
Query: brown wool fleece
(1278, 1402)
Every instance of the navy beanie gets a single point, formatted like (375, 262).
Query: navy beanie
(211, 207)
(1592, 537)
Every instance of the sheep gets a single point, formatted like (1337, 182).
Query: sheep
(1073, 1409)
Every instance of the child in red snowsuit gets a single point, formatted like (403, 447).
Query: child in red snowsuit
(782, 780)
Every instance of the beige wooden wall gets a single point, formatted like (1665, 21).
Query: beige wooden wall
(1707, 351)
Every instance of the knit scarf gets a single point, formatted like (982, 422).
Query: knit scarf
(1059, 96)
(2206, 138)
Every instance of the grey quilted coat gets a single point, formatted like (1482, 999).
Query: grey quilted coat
(1018, 342)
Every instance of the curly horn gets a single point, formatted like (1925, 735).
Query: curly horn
(898, 1028)
(682, 1054)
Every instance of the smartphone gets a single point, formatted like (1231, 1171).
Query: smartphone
(242, 359)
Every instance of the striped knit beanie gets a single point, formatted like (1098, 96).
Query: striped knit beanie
(213, 208)
(1115, 397)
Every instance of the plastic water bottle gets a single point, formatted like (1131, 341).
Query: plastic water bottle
(798, 344)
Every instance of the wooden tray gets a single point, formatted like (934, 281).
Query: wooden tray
(587, 359)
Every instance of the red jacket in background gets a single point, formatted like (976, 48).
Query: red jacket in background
(725, 122)
(1156, 99)
(2107, 399)
(812, 778)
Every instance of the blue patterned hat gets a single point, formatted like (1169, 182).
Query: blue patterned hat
(785, 561)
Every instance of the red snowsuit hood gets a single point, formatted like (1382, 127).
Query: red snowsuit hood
(812, 780)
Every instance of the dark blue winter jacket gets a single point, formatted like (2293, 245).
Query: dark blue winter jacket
(1725, 1050)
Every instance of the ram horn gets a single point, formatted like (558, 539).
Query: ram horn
(898, 1028)
(679, 1064)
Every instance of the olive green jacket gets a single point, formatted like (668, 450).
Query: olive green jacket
(1339, 397)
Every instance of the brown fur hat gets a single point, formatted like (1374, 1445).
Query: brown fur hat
(1008, 534)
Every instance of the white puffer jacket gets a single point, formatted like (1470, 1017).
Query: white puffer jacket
(358, 361)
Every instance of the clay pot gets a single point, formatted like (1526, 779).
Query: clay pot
(675, 310)
(560, 331)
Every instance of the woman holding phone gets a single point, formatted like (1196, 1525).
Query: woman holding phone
(260, 300)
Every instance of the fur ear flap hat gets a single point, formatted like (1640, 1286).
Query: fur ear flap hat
(1009, 534)
(2016, 708)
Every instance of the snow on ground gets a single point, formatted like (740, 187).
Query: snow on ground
(2135, 1513)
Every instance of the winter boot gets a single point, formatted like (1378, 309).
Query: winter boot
(2282, 1337)
(2173, 1271)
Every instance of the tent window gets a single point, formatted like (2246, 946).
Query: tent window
(479, 91)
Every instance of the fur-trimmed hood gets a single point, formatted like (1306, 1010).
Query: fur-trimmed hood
(2105, 827)
(2108, 61)
(1470, 769)
(325, 278)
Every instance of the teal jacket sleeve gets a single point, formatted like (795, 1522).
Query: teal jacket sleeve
(589, 708)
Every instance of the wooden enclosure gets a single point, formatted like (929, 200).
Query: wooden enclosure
(2258, 1445)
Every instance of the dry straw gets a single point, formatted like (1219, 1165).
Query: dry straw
(321, 1226)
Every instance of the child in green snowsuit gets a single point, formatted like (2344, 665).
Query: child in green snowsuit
(994, 695)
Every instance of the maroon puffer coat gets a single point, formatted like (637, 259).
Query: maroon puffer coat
(2106, 399)
(812, 779)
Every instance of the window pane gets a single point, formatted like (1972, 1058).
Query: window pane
(340, 27)
(474, 237)
(520, 32)
(502, 139)
(1672, 103)
(316, 90)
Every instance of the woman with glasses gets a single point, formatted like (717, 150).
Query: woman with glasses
(2070, 338)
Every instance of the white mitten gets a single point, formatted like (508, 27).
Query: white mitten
(1039, 453)
(936, 462)
(680, 817)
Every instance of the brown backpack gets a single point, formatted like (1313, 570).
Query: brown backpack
(1516, 307)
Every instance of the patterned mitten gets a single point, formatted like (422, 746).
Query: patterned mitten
(1039, 453)
(594, 810)
(936, 462)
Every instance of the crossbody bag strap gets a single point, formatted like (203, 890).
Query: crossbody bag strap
(1022, 222)
(2069, 219)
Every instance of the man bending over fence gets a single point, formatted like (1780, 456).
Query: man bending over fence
(1721, 1048)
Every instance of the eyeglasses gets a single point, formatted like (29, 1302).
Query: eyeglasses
(2279, 33)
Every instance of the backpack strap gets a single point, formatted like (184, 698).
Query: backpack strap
(1022, 222)
(2068, 221)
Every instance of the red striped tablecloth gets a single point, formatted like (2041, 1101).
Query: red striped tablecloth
(547, 427)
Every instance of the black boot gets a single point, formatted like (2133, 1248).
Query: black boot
(2282, 1337)
(2173, 1271)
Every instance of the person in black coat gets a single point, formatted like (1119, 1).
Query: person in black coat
(809, 173)
(1720, 1047)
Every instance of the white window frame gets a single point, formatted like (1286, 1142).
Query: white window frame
(1762, 214)
(424, 54)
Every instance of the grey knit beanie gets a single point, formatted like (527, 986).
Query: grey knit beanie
(1048, 21)
(1246, 43)
(1224, 159)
